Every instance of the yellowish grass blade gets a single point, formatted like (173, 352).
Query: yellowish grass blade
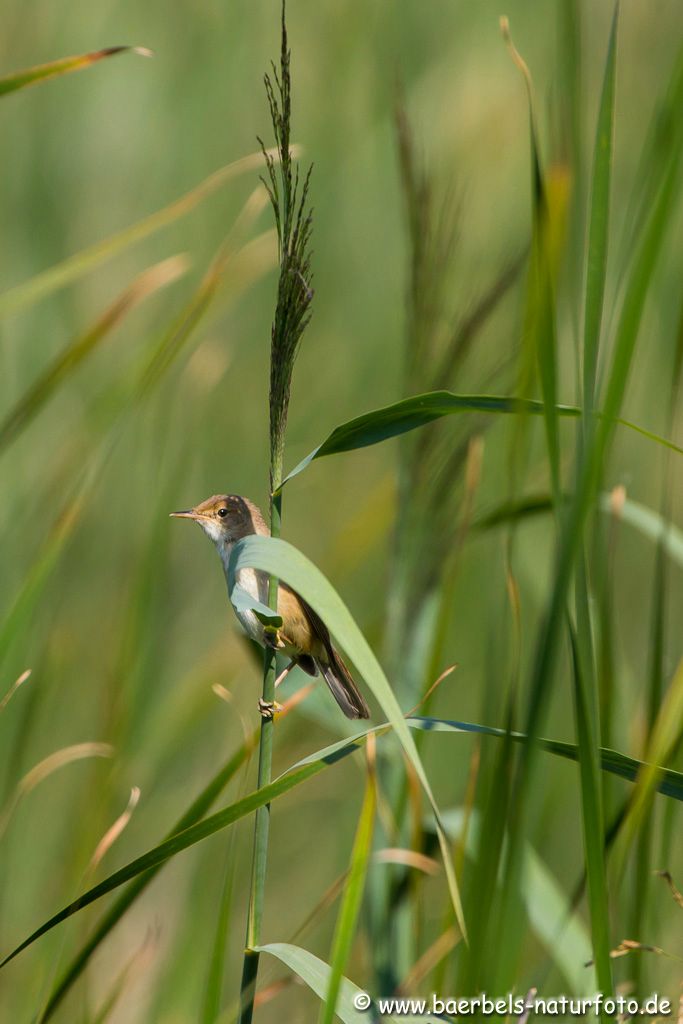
(63, 66)
(30, 404)
(70, 269)
(13, 688)
(41, 771)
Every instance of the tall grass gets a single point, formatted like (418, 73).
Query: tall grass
(292, 314)
(513, 553)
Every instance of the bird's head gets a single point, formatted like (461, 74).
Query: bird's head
(225, 518)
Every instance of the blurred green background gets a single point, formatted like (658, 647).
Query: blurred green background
(131, 627)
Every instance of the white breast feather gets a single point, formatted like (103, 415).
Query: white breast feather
(256, 585)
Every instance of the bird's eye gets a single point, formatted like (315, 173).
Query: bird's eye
(222, 512)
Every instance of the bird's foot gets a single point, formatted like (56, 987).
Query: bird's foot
(273, 638)
(268, 708)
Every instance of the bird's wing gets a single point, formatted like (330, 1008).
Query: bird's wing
(335, 670)
(317, 625)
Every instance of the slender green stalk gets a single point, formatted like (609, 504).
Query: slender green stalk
(353, 895)
(587, 726)
(643, 913)
(262, 817)
(292, 314)
(211, 1003)
(586, 691)
(596, 259)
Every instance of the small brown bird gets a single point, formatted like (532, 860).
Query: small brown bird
(303, 637)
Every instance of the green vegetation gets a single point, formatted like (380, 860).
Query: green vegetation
(475, 423)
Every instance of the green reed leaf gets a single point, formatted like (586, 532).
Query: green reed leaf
(667, 781)
(195, 812)
(283, 561)
(316, 974)
(418, 410)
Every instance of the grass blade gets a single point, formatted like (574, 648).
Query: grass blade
(143, 868)
(211, 1003)
(61, 368)
(19, 681)
(562, 932)
(251, 261)
(651, 524)
(664, 739)
(666, 781)
(57, 537)
(542, 331)
(643, 519)
(154, 858)
(69, 270)
(591, 787)
(351, 901)
(636, 294)
(418, 410)
(194, 813)
(570, 540)
(58, 759)
(316, 973)
(548, 215)
(41, 72)
(596, 257)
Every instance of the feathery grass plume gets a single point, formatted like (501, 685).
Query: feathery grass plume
(293, 219)
(432, 469)
(438, 343)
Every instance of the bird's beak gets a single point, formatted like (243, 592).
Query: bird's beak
(189, 513)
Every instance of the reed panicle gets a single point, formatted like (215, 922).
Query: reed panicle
(293, 219)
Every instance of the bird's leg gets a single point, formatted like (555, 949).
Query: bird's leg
(273, 639)
(285, 672)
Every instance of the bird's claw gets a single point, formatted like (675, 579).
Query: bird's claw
(273, 638)
(267, 708)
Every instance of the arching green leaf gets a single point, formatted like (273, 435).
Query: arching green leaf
(283, 561)
(418, 410)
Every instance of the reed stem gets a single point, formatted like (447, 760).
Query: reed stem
(262, 822)
(292, 314)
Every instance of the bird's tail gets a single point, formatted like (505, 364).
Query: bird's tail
(344, 690)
